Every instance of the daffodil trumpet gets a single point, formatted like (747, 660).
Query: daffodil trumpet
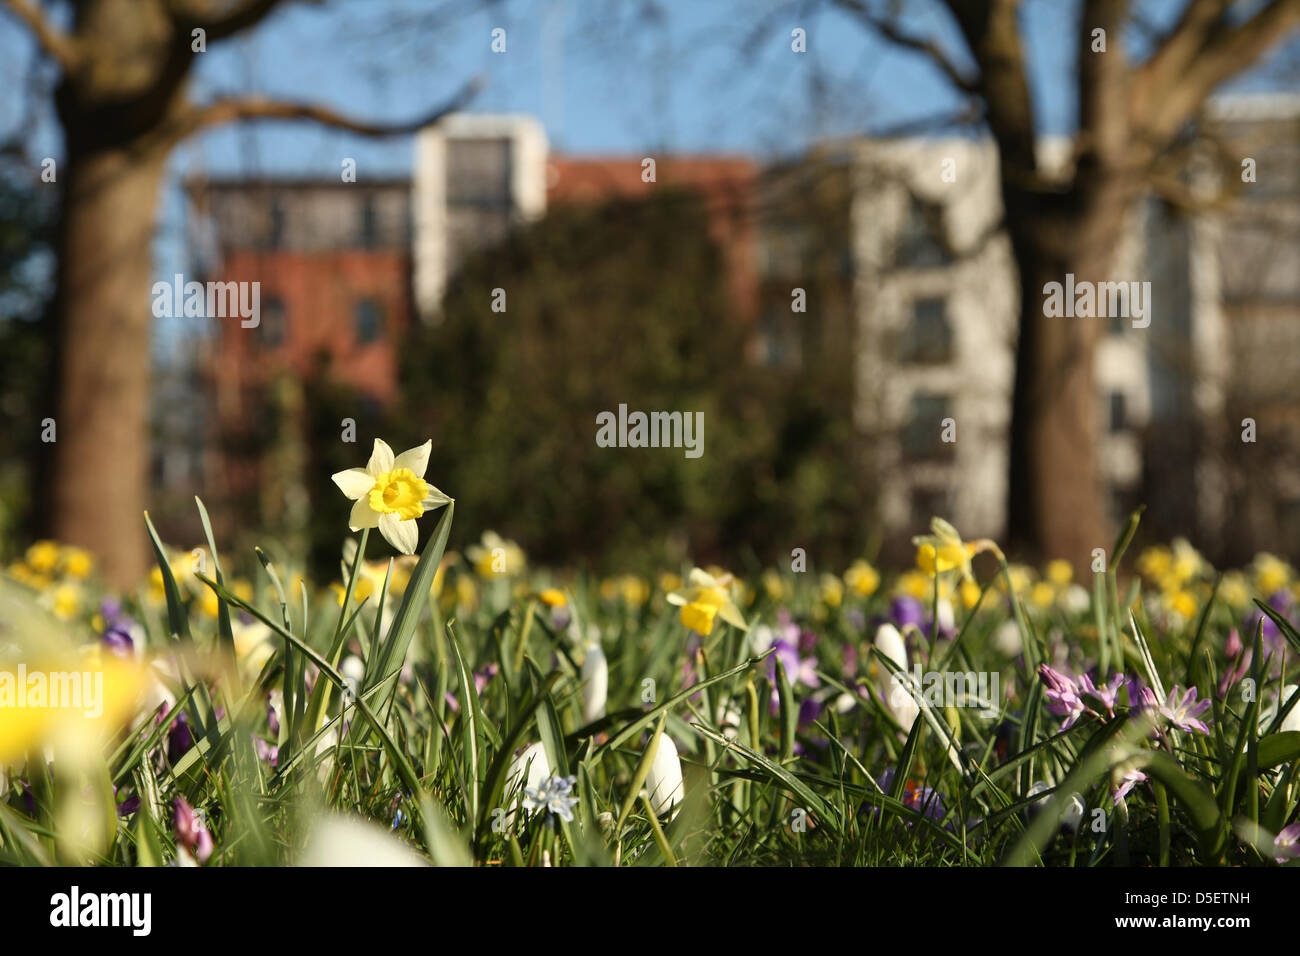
(390, 493)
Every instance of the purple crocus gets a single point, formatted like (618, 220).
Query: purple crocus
(1127, 782)
(787, 641)
(1235, 671)
(117, 639)
(1062, 696)
(1287, 843)
(1106, 695)
(1183, 711)
(924, 800)
(191, 833)
(179, 737)
(905, 610)
(266, 751)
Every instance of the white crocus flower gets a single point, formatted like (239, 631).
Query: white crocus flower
(528, 771)
(947, 619)
(1292, 720)
(390, 493)
(346, 841)
(664, 780)
(898, 698)
(595, 683)
(1007, 640)
(353, 670)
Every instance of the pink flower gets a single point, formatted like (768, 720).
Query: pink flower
(191, 833)
(1287, 843)
(1062, 696)
(1184, 713)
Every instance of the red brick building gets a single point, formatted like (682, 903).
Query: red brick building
(333, 266)
(338, 266)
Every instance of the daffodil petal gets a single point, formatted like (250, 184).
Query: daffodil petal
(354, 482)
(677, 599)
(402, 535)
(362, 516)
(381, 458)
(435, 498)
(702, 579)
(416, 459)
(731, 614)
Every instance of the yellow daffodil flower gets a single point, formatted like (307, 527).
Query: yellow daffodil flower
(77, 562)
(553, 597)
(943, 550)
(635, 590)
(65, 601)
(832, 590)
(669, 582)
(43, 557)
(1060, 572)
(707, 597)
(362, 590)
(1271, 574)
(1234, 590)
(862, 578)
(390, 493)
(1042, 594)
(774, 586)
(915, 584)
(494, 555)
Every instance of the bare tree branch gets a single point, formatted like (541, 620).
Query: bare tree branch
(1179, 46)
(1173, 86)
(220, 20)
(893, 32)
(57, 44)
(234, 109)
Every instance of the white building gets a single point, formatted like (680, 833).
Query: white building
(937, 303)
(475, 178)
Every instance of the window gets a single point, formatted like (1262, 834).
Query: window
(370, 321)
(1118, 416)
(922, 435)
(480, 204)
(275, 231)
(919, 246)
(271, 324)
(369, 224)
(478, 171)
(927, 339)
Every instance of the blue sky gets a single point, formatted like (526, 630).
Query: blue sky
(698, 76)
(601, 76)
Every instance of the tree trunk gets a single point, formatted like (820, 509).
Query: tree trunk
(1056, 505)
(103, 311)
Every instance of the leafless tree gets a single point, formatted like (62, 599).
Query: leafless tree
(122, 102)
(1130, 116)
